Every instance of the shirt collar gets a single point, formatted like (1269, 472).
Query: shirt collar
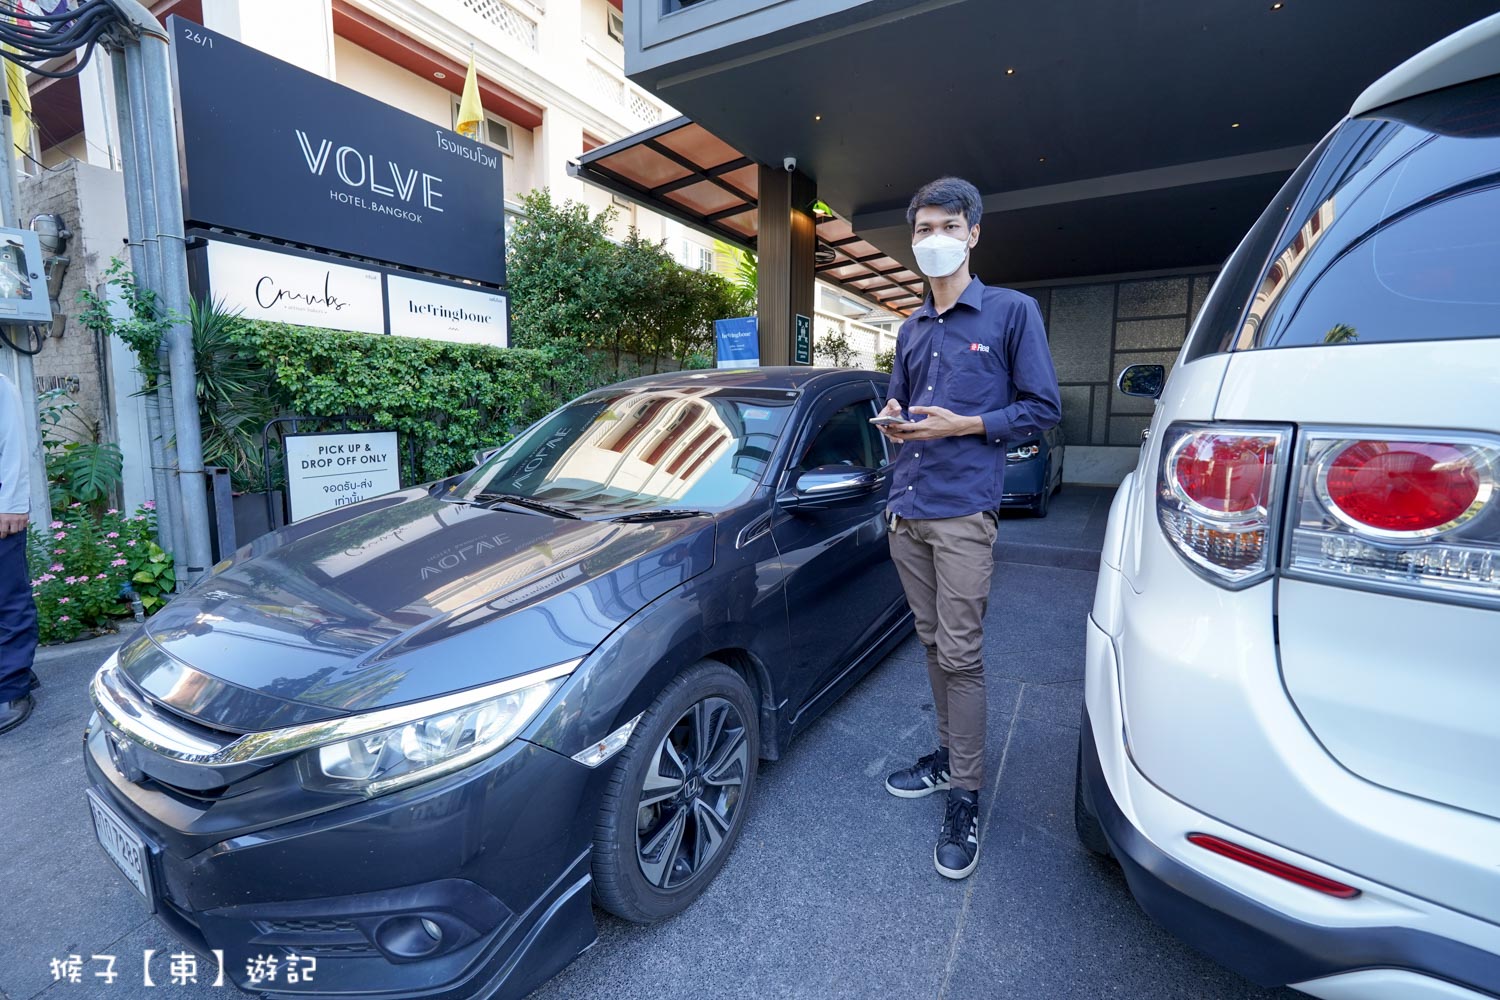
(972, 296)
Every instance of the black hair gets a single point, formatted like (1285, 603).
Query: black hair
(951, 194)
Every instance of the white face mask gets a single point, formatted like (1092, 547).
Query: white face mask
(939, 256)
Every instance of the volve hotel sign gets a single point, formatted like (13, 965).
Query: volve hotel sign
(273, 150)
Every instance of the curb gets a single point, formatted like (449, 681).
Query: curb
(1055, 556)
(104, 644)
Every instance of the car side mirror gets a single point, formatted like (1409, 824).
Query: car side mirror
(831, 486)
(1143, 380)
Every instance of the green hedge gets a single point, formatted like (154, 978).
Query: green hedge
(452, 399)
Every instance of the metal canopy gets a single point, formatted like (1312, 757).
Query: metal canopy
(683, 171)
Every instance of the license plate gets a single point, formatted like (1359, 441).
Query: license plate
(123, 845)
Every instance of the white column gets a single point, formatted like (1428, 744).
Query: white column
(96, 91)
(559, 140)
(296, 31)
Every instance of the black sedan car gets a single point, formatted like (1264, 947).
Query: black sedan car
(396, 749)
(1034, 472)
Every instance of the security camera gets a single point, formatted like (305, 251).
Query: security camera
(789, 164)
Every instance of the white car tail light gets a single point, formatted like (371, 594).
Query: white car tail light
(1216, 498)
(1403, 512)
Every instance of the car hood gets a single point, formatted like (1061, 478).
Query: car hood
(420, 597)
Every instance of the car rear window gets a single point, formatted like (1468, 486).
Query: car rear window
(1396, 236)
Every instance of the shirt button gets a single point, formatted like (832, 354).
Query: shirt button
(939, 320)
(929, 388)
(908, 489)
(934, 353)
(919, 454)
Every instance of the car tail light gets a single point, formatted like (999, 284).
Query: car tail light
(1272, 866)
(1216, 498)
(1404, 512)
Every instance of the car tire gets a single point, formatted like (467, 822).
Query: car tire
(668, 821)
(1058, 488)
(1090, 830)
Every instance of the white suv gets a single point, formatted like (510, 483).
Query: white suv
(1291, 736)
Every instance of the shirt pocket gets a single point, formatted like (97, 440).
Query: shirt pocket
(978, 379)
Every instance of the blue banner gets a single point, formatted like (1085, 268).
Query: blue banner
(739, 342)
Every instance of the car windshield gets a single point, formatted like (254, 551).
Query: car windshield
(625, 450)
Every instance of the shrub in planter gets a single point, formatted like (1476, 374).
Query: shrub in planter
(84, 569)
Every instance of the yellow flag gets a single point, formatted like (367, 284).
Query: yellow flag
(20, 105)
(470, 111)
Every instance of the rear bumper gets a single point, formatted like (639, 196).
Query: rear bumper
(1257, 941)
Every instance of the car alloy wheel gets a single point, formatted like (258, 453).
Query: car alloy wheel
(691, 793)
(678, 795)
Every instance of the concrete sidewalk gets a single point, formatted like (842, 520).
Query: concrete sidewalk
(831, 891)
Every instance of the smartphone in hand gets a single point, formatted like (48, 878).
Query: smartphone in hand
(887, 421)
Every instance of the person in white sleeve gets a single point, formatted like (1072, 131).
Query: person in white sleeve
(17, 610)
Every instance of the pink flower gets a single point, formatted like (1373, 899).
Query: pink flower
(69, 580)
(113, 534)
(63, 600)
(35, 584)
(55, 525)
(57, 567)
(60, 535)
(65, 618)
(102, 576)
(47, 578)
(149, 505)
(111, 511)
(131, 543)
(118, 562)
(74, 506)
(58, 552)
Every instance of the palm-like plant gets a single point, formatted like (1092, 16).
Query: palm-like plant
(234, 394)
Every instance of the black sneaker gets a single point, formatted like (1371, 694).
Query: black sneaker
(929, 774)
(957, 850)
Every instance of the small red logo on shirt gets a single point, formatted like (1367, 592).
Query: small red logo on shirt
(980, 347)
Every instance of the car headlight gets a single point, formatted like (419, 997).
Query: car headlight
(378, 762)
(371, 753)
(1021, 452)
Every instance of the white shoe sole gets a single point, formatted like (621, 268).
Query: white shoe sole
(902, 793)
(955, 873)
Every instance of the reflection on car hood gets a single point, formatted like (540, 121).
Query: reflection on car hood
(413, 599)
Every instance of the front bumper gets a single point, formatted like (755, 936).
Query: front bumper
(1269, 931)
(495, 858)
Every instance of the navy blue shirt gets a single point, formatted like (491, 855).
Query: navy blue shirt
(987, 356)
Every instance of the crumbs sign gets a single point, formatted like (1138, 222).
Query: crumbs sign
(276, 151)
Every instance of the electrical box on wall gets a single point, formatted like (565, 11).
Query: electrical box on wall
(23, 278)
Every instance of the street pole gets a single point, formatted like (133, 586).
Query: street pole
(144, 95)
(140, 206)
(21, 372)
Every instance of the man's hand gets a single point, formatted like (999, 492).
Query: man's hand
(12, 524)
(892, 409)
(940, 423)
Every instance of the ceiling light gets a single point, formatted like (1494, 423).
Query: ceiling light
(817, 118)
(1010, 72)
(1277, 5)
(1041, 159)
(1234, 124)
(439, 75)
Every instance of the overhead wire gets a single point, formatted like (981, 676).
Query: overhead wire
(32, 39)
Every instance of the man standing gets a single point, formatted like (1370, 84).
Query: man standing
(17, 609)
(972, 373)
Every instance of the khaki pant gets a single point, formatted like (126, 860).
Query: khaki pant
(945, 566)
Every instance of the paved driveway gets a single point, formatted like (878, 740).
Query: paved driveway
(831, 892)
